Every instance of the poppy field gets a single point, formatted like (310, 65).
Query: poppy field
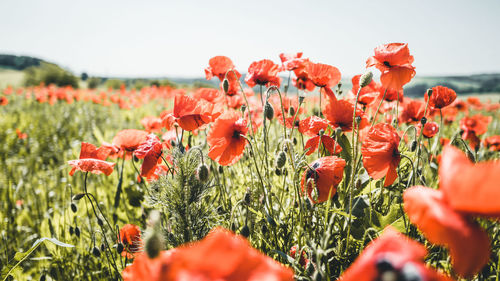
(280, 173)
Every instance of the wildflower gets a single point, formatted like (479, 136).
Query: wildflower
(129, 139)
(150, 150)
(291, 61)
(190, 114)
(441, 97)
(368, 94)
(413, 111)
(263, 72)
(380, 152)
(152, 124)
(130, 237)
(323, 176)
(323, 75)
(339, 113)
(493, 143)
(430, 129)
(92, 160)
(218, 66)
(315, 126)
(474, 126)
(225, 140)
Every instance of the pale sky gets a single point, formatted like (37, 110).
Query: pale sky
(177, 38)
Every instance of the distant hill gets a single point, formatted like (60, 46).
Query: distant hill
(18, 62)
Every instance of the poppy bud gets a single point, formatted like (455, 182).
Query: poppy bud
(99, 221)
(71, 230)
(42, 277)
(243, 108)
(321, 132)
(73, 207)
(413, 145)
(119, 248)
(202, 173)
(247, 196)
(136, 159)
(365, 79)
(77, 231)
(358, 184)
(291, 111)
(281, 159)
(429, 92)
(268, 111)
(225, 85)
(423, 120)
(102, 247)
(277, 171)
(96, 252)
(301, 99)
(221, 170)
(78, 196)
(245, 231)
(153, 244)
(294, 141)
(357, 119)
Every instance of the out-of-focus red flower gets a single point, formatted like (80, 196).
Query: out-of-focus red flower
(474, 126)
(191, 114)
(323, 176)
(218, 66)
(430, 129)
(390, 94)
(470, 188)
(202, 261)
(322, 75)
(291, 61)
(263, 72)
(21, 135)
(492, 143)
(209, 94)
(302, 81)
(130, 237)
(394, 62)
(312, 126)
(150, 150)
(469, 245)
(441, 97)
(225, 140)
(152, 124)
(413, 111)
(475, 102)
(368, 94)
(395, 255)
(304, 261)
(4, 101)
(92, 160)
(233, 79)
(129, 139)
(380, 153)
(340, 112)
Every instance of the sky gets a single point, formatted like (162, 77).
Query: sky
(132, 38)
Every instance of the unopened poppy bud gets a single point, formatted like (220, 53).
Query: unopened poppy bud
(77, 231)
(221, 170)
(225, 85)
(301, 99)
(42, 277)
(102, 247)
(247, 196)
(321, 132)
(365, 79)
(268, 111)
(277, 171)
(281, 159)
(96, 252)
(99, 221)
(357, 119)
(153, 244)
(243, 108)
(413, 145)
(73, 207)
(429, 92)
(78, 196)
(423, 120)
(202, 173)
(291, 111)
(358, 184)
(245, 231)
(294, 141)
(71, 231)
(119, 248)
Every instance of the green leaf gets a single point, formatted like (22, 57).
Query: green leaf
(20, 257)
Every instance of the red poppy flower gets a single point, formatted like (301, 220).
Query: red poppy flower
(191, 114)
(368, 94)
(202, 261)
(225, 140)
(291, 61)
(92, 160)
(302, 80)
(263, 72)
(233, 79)
(304, 261)
(152, 123)
(395, 255)
(469, 245)
(413, 111)
(323, 176)
(322, 75)
(493, 143)
(218, 66)
(150, 151)
(430, 129)
(209, 94)
(468, 187)
(312, 126)
(21, 135)
(394, 62)
(390, 94)
(475, 102)
(380, 153)
(328, 143)
(4, 101)
(441, 97)
(129, 139)
(130, 237)
(474, 126)
(339, 113)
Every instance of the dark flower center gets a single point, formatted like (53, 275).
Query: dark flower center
(236, 134)
(386, 63)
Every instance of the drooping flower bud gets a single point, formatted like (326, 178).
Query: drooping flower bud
(268, 111)
(202, 173)
(78, 196)
(96, 252)
(225, 85)
(365, 79)
(429, 92)
(73, 207)
(281, 159)
(291, 111)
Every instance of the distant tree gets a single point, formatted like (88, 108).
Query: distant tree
(93, 82)
(49, 73)
(84, 76)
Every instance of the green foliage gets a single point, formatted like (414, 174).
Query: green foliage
(93, 82)
(114, 83)
(47, 74)
(18, 62)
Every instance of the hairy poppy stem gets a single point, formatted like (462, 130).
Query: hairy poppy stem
(120, 182)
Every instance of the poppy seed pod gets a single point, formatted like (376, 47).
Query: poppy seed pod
(225, 85)
(268, 111)
(77, 231)
(365, 79)
(71, 230)
(301, 99)
(78, 196)
(96, 252)
(423, 120)
(202, 173)
(243, 108)
(119, 248)
(291, 111)
(413, 145)
(281, 159)
(429, 92)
